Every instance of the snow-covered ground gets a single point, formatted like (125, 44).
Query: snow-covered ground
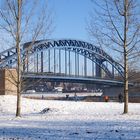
(67, 120)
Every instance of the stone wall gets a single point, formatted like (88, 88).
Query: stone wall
(2, 82)
(8, 79)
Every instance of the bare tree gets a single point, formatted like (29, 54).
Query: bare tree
(22, 18)
(117, 26)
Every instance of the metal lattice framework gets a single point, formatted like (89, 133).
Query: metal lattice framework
(88, 50)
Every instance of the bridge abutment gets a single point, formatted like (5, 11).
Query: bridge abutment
(8, 81)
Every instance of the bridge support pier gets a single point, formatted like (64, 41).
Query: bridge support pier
(25, 62)
(41, 61)
(37, 63)
(69, 63)
(112, 72)
(65, 62)
(7, 82)
(85, 66)
(49, 63)
(59, 61)
(98, 69)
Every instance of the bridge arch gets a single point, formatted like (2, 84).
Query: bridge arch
(86, 49)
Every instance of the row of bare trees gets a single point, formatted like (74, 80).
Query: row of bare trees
(115, 24)
(24, 20)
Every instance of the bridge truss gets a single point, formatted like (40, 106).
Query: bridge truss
(65, 57)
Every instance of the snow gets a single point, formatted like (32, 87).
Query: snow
(68, 120)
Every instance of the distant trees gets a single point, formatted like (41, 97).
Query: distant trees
(115, 24)
(24, 20)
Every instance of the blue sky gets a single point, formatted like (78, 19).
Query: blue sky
(70, 18)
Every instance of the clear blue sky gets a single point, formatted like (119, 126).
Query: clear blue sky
(70, 18)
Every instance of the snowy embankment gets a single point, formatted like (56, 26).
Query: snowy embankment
(68, 120)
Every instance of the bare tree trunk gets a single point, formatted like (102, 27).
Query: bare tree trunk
(125, 84)
(18, 111)
(125, 57)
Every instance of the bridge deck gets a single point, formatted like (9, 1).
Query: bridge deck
(74, 79)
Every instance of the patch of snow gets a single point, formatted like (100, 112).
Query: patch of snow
(68, 120)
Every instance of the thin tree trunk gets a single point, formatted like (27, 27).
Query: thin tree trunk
(18, 111)
(126, 86)
(125, 58)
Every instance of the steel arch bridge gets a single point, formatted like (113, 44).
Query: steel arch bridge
(65, 52)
